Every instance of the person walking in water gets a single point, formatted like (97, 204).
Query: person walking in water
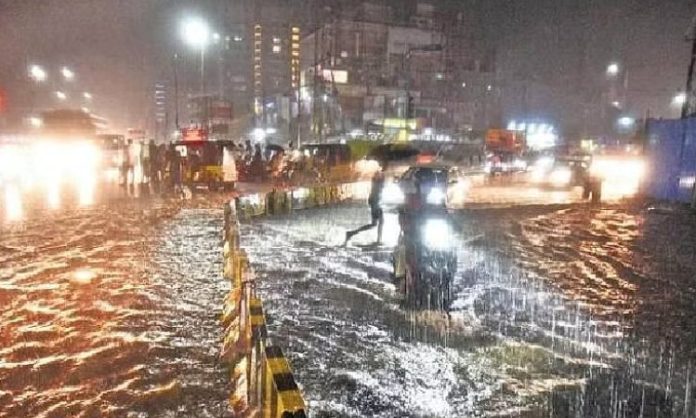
(374, 201)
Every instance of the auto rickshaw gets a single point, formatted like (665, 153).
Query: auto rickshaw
(334, 161)
(203, 163)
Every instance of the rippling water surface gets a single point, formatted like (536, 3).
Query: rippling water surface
(560, 310)
(112, 311)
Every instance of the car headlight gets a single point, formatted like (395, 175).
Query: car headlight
(561, 176)
(392, 194)
(436, 196)
(437, 234)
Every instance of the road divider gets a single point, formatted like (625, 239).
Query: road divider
(262, 380)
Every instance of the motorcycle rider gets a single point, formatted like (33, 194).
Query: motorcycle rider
(415, 200)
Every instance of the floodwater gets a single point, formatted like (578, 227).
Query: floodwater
(113, 310)
(560, 311)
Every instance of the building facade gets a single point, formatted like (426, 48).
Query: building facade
(368, 65)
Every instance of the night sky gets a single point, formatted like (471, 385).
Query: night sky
(119, 48)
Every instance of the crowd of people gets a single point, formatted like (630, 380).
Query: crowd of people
(149, 163)
(170, 166)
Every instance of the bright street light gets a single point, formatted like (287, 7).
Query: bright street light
(61, 96)
(259, 134)
(35, 122)
(626, 121)
(68, 74)
(37, 73)
(195, 32)
(612, 69)
(679, 99)
(87, 95)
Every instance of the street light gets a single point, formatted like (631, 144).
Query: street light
(35, 122)
(626, 121)
(37, 73)
(61, 96)
(87, 95)
(679, 99)
(613, 69)
(196, 33)
(68, 74)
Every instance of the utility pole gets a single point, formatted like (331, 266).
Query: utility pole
(315, 84)
(688, 106)
(176, 91)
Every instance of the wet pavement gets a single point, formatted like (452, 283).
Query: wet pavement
(113, 310)
(110, 308)
(560, 310)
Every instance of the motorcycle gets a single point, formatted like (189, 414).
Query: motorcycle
(428, 257)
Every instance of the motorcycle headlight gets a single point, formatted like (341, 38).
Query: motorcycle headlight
(437, 234)
(392, 194)
(436, 197)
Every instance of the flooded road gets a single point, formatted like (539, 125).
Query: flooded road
(560, 310)
(113, 311)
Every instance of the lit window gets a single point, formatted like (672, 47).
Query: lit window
(276, 40)
(276, 49)
(237, 38)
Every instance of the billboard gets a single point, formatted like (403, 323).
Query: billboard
(194, 134)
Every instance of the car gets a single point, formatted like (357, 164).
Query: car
(567, 173)
(444, 185)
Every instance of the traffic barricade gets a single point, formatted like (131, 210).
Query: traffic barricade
(264, 385)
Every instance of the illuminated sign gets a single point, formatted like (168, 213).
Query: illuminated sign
(335, 76)
(401, 123)
(135, 134)
(194, 134)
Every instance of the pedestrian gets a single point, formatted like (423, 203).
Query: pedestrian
(257, 163)
(376, 213)
(126, 162)
(133, 159)
(145, 161)
(175, 168)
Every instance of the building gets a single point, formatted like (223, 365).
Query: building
(160, 111)
(259, 54)
(369, 64)
(213, 113)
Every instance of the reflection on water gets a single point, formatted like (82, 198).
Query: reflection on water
(85, 189)
(53, 195)
(112, 311)
(558, 312)
(13, 203)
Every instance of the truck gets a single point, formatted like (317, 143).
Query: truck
(505, 148)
